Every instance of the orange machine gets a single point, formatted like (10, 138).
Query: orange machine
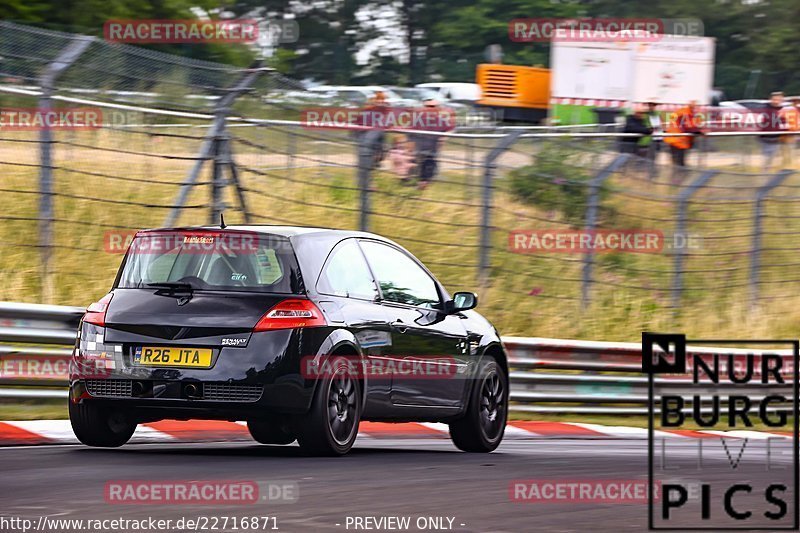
(515, 93)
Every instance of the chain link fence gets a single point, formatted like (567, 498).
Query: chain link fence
(182, 141)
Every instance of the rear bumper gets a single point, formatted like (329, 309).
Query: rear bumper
(262, 377)
(156, 399)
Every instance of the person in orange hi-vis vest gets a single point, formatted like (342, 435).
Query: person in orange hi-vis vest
(685, 120)
(791, 119)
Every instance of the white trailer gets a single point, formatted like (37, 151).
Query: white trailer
(671, 71)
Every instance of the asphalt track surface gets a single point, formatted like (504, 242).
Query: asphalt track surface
(413, 478)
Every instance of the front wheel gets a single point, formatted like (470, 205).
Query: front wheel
(481, 428)
(99, 425)
(331, 426)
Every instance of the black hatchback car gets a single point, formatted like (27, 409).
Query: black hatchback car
(301, 332)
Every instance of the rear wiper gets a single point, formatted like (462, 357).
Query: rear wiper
(172, 285)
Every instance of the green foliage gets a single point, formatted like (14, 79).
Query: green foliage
(341, 190)
(282, 60)
(28, 10)
(555, 183)
(89, 16)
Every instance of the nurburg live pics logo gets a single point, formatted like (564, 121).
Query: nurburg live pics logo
(748, 480)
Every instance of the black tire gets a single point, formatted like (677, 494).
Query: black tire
(271, 431)
(100, 426)
(331, 426)
(481, 428)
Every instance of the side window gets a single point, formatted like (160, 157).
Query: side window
(346, 273)
(401, 279)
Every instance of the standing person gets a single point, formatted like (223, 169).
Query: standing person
(401, 157)
(790, 116)
(427, 147)
(636, 123)
(683, 121)
(771, 120)
(653, 120)
(374, 116)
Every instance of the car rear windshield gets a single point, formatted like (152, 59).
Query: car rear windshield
(211, 260)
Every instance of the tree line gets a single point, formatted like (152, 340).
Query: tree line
(410, 41)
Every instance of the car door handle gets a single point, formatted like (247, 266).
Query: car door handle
(399, 325)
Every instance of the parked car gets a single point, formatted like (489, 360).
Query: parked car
(467, 93)
(359, 95)
(752, 104)
(301, 332)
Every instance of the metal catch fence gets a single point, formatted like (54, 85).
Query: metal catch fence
(182, 141)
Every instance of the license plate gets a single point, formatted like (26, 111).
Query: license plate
(172, 356)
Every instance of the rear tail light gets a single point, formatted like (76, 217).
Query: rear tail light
(292, 313)
(96, 313)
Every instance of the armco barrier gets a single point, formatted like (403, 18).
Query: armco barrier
(35, 346)
(547, 375)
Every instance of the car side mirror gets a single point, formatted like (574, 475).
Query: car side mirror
(462, 301)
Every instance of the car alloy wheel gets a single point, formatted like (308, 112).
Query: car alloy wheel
(492, 405)
(342, 399)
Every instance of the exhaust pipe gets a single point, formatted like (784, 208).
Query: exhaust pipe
(192, 391)
(137, 388)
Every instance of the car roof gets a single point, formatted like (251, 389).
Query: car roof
(284, 231)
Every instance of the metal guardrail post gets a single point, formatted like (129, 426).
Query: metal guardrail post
(66, 58)
(367, 146)
(680, 229)
(593, 206)
(758, 216)
(489, 167)
(210, 148)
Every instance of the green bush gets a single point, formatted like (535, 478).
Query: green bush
(555, 182)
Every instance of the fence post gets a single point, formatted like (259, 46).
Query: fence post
(368, 144)
(680, 229)
(489, 167)
(217, 181)
(227, 158)
(593, 206)
(47, 80)
(290, 153)
(211, 144)
(758, 216)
